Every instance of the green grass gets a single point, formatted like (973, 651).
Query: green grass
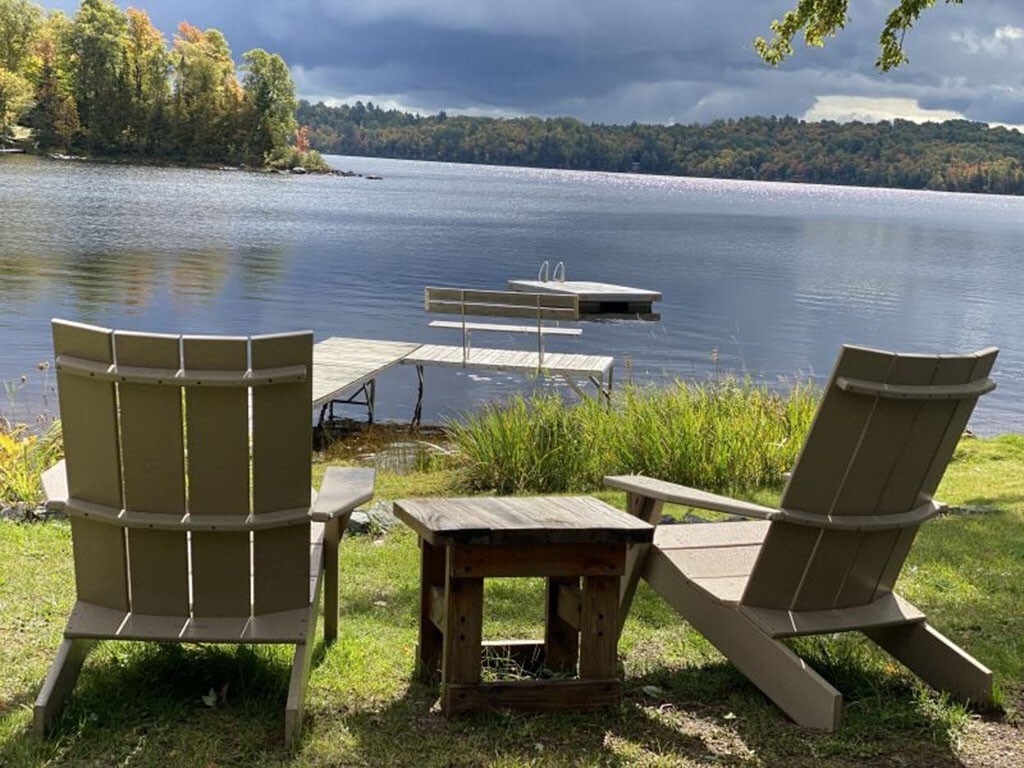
(719, 435)
(140, 704)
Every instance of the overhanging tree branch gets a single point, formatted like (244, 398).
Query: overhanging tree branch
(821, 19)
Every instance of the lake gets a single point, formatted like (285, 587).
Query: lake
(768, 278)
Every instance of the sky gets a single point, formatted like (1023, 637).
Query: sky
(619, 61)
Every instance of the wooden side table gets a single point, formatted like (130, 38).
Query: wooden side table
(567, 539)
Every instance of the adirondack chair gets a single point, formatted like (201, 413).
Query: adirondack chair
(827, 560)
(171, 542)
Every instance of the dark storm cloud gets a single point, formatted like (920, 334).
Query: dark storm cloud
(644, 60)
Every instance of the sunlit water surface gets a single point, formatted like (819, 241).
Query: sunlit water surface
(773, 276)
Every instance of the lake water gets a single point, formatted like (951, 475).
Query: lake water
(773, 276)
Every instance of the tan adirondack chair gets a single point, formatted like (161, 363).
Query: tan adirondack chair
(826, 560)
(162, 435)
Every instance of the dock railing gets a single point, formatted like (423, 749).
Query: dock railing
(467, 303)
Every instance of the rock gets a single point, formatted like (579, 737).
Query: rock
(298, 169)
(358, 523)
(30, 513)
(377, 519)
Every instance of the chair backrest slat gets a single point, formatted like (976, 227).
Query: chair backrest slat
(866, 454)
(130, 431)
(282, 456)
(217, 428)
(89, 422)
(952, 370)
(153, 467)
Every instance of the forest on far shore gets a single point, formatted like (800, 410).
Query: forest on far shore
(956, 156)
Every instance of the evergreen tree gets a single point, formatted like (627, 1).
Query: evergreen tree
(270, 104)
(98, 44)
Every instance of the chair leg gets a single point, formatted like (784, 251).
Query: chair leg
(936, 660)
(781, 675)
(59, 683)
(302, 663)
(332, 538)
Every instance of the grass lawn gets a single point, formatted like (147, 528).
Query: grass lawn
(141, 704)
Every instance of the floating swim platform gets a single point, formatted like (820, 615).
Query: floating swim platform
(598, 300)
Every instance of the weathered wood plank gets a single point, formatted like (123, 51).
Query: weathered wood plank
(432, 611)
(563, 608)
(521, 520)
(599, 627)
(460, 662)
(538, 560)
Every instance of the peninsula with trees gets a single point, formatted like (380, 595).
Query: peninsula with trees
(107, 83)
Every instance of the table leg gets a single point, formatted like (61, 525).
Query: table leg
(561, 637)
(432, 570)
(464, 614)
(599, 627)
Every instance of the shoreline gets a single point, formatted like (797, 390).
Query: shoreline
(142, 161)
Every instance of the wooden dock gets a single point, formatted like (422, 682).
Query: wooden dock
(345, 370)
(598, 299)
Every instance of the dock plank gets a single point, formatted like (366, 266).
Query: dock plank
(342, 365)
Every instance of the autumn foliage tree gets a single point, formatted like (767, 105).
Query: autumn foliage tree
(148, 68)
(106, 81)
(208, 98)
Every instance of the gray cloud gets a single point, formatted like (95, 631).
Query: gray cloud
(615, 61)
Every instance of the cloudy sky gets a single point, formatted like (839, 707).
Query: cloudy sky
(616, 61)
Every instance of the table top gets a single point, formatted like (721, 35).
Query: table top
(521, 520)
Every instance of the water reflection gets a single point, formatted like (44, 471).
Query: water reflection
(773, 276)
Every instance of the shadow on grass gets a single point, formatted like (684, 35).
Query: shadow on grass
(693, 715)
(146, 701)
(887, 715)
(142, 703)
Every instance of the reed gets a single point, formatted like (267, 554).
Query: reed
(728, 434)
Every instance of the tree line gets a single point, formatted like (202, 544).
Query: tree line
(107, 82)
(956, 155)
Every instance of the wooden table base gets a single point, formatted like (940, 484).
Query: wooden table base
(581, 630)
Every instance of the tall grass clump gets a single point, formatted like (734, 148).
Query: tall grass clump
(721, 435)
(24, 456)
(532, 445)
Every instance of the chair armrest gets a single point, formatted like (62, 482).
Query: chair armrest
(55, 486)
(690, 497)
(343, 489)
